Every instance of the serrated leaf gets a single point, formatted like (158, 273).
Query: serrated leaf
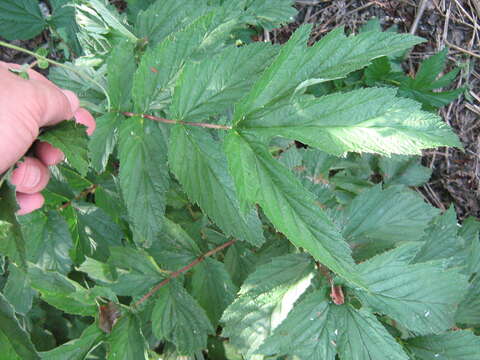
(404, 170)
(126, 341)
(468, 311)
(200, 165)
(49, 240)
(63, 20)
(378, 219)
(429, 70)
(71, 138)
(143, 177)
(264, 301)
(213, 288)
(363, 337)
(18, 290)
(334, 56)
(290, 207)
(453, 345)
(270, 14)
(15, 334)
(104, 139)
(12, 242)
(76, 349)
(309, 331)
(209, 87)
(366, 120)
(178, 318)
(20, 19)
(120, 69)
(175, 248)
(421, 297)
(142, 271)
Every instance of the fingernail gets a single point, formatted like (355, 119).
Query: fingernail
(72, 99)
(83, 116)
(48, 154)
(29, 202)
(30, 176)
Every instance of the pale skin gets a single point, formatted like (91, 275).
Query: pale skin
(25, 107)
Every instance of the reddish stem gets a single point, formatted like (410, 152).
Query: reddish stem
(168, 121)
(182, 270)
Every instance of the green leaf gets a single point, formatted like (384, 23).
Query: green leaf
(12, 243)
(49, 240)
(16, 335)
(121, 67)
(378, 219)
(288, 205)
(334, 56)
(63, 21)
(176, 248)
(403, 170)
(365, 120)
(453, 345)
(199, 163)
(213, 288)
(363, 337)
(178, 318)
(18, 290)
(104, 139)
(143, 177)
(71, 138)
(270, 14)
(420, 297)
(209, 87)
(143, 273)
(76, 349)
(309, 331)
(93, 231)
(429, 70)
(265, 299)
(126, 341)
(20, 19)
(164, 17)
(468, 311)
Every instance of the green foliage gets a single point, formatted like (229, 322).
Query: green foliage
(229, 188)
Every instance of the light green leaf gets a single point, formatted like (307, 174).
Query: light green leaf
(15, 334)
(468, 311)
(20, 19)
(213, 288)
(104, 139)
(379, 218)
(211, 86)
(18, 290)
(126, 340)
(363, 337)
(76, 349)
(71, 138)
(143, 177)
(453, 345)
(264, 301)
(49, 240)
(334, 56)
(199, 163)
(142, 271)
(178, 318)
(309, 331)
(421, 297)
(366, 120)
(292, 209)
(12, 242)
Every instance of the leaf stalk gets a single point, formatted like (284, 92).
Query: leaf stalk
(168, 121)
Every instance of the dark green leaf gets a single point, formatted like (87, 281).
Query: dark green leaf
(18, 290)
(404, 170)
(469, 309)
(103, 140)
(20, 19)
(126, 341)
(71, 138)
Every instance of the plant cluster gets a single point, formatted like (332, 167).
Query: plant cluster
(238, 200)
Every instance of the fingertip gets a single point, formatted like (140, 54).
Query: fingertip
(30, 176)
(48, 154)
(72, 99)
(83, 116)
(29, 202)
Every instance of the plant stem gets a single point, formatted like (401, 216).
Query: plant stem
(168, 121)
(182, 270)
(91, 189)
(56, 63)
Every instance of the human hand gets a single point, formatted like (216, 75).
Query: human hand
(25, 107)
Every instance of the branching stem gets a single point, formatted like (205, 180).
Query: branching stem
(168, 121)
(90, 190)
(182, 270)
